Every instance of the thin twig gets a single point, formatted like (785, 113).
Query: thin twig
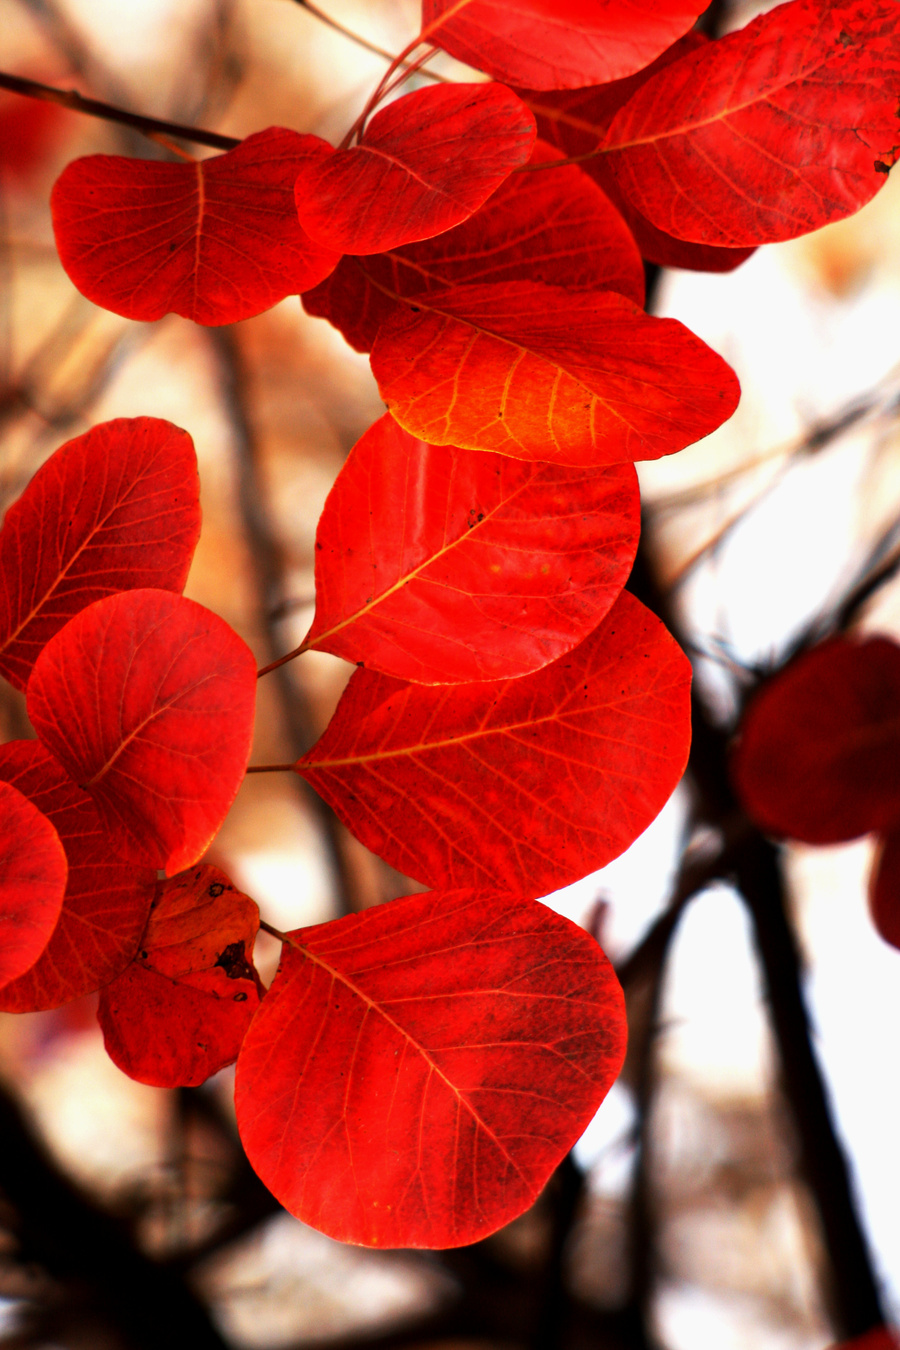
(361, 41)
(107, 112)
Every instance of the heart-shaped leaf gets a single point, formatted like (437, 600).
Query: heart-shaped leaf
(556, 44)
(818, 757)
(768, 133)
(113, 510)
(106, 902)
(416, 1072)
(33, 872)
(442, 565)
(178, 1013)
(539, 373)
(526, 784)
(215, 241)
(147, 700)
(554, 226)
(425, 162)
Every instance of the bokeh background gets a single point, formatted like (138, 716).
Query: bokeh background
(755, 537)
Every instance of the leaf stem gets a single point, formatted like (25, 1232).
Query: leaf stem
(282, 660)
(275, 932)
(151, 127)
(269, 768)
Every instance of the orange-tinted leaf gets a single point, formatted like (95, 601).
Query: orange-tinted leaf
(179, 1011)
(540, 373)
(818, 757)
(526, 784)
(557, 44)
(416, 1072)
(426, 162)
(575, 120)
(147, 700)
(106, 901)
(554, 226)
(112, 510)
(884, 894)
(215, 241)
(772, 131)
(33, 872)
(444, 565)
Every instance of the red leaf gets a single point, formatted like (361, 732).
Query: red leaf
(425, 163)
(770, 132)
(147, 700)
(557, 44)
(879, 1338)
(575, 120)
(215, 241)
(33, 873)
(178, 1013)
(106, 901)
(526, 784)
(556, 227)
(416, 1072)
(884, 897)
(540, 373)
(819, 752)
(444, 565)
(112, 510)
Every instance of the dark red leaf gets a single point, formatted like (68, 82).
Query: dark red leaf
(884, 894)
(215, 241)
(106, 901)
(526, 784)
(556, 44)
(33, 872)
(416, 1072)
(818, 757)
(442, 565)
(533, 371)
(178, 1013)
(575, 120)
(29, 131)
(112, 510)
(554, 226)
(147, 700)
(770, 132)
(425, 163)
(879, 1338)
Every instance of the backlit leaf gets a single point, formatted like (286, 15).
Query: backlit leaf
(147, 700)
(442, 565)
(215, 241)
(575, 120)
(33, 873)
(112, 510)
(425, 162)
(557, 44)
(532, 371)
(416, 1072)
(554, 226)
(770, 132)
(818, 757)
(106, 901)
(178, 1013)
(526, 784)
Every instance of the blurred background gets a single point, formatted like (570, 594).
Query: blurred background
(684, 1219)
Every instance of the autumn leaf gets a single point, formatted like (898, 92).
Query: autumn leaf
(523, 784)
(441, 565)
(178, 1013)
(147, 700)
(818, 757)
(555, 226)
(769, 132)
(215, 241)
(113, 510)
(556, 44)
(106, 900)
(416, 1072)
(33, 873)
(425, 163)
(532, 371)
